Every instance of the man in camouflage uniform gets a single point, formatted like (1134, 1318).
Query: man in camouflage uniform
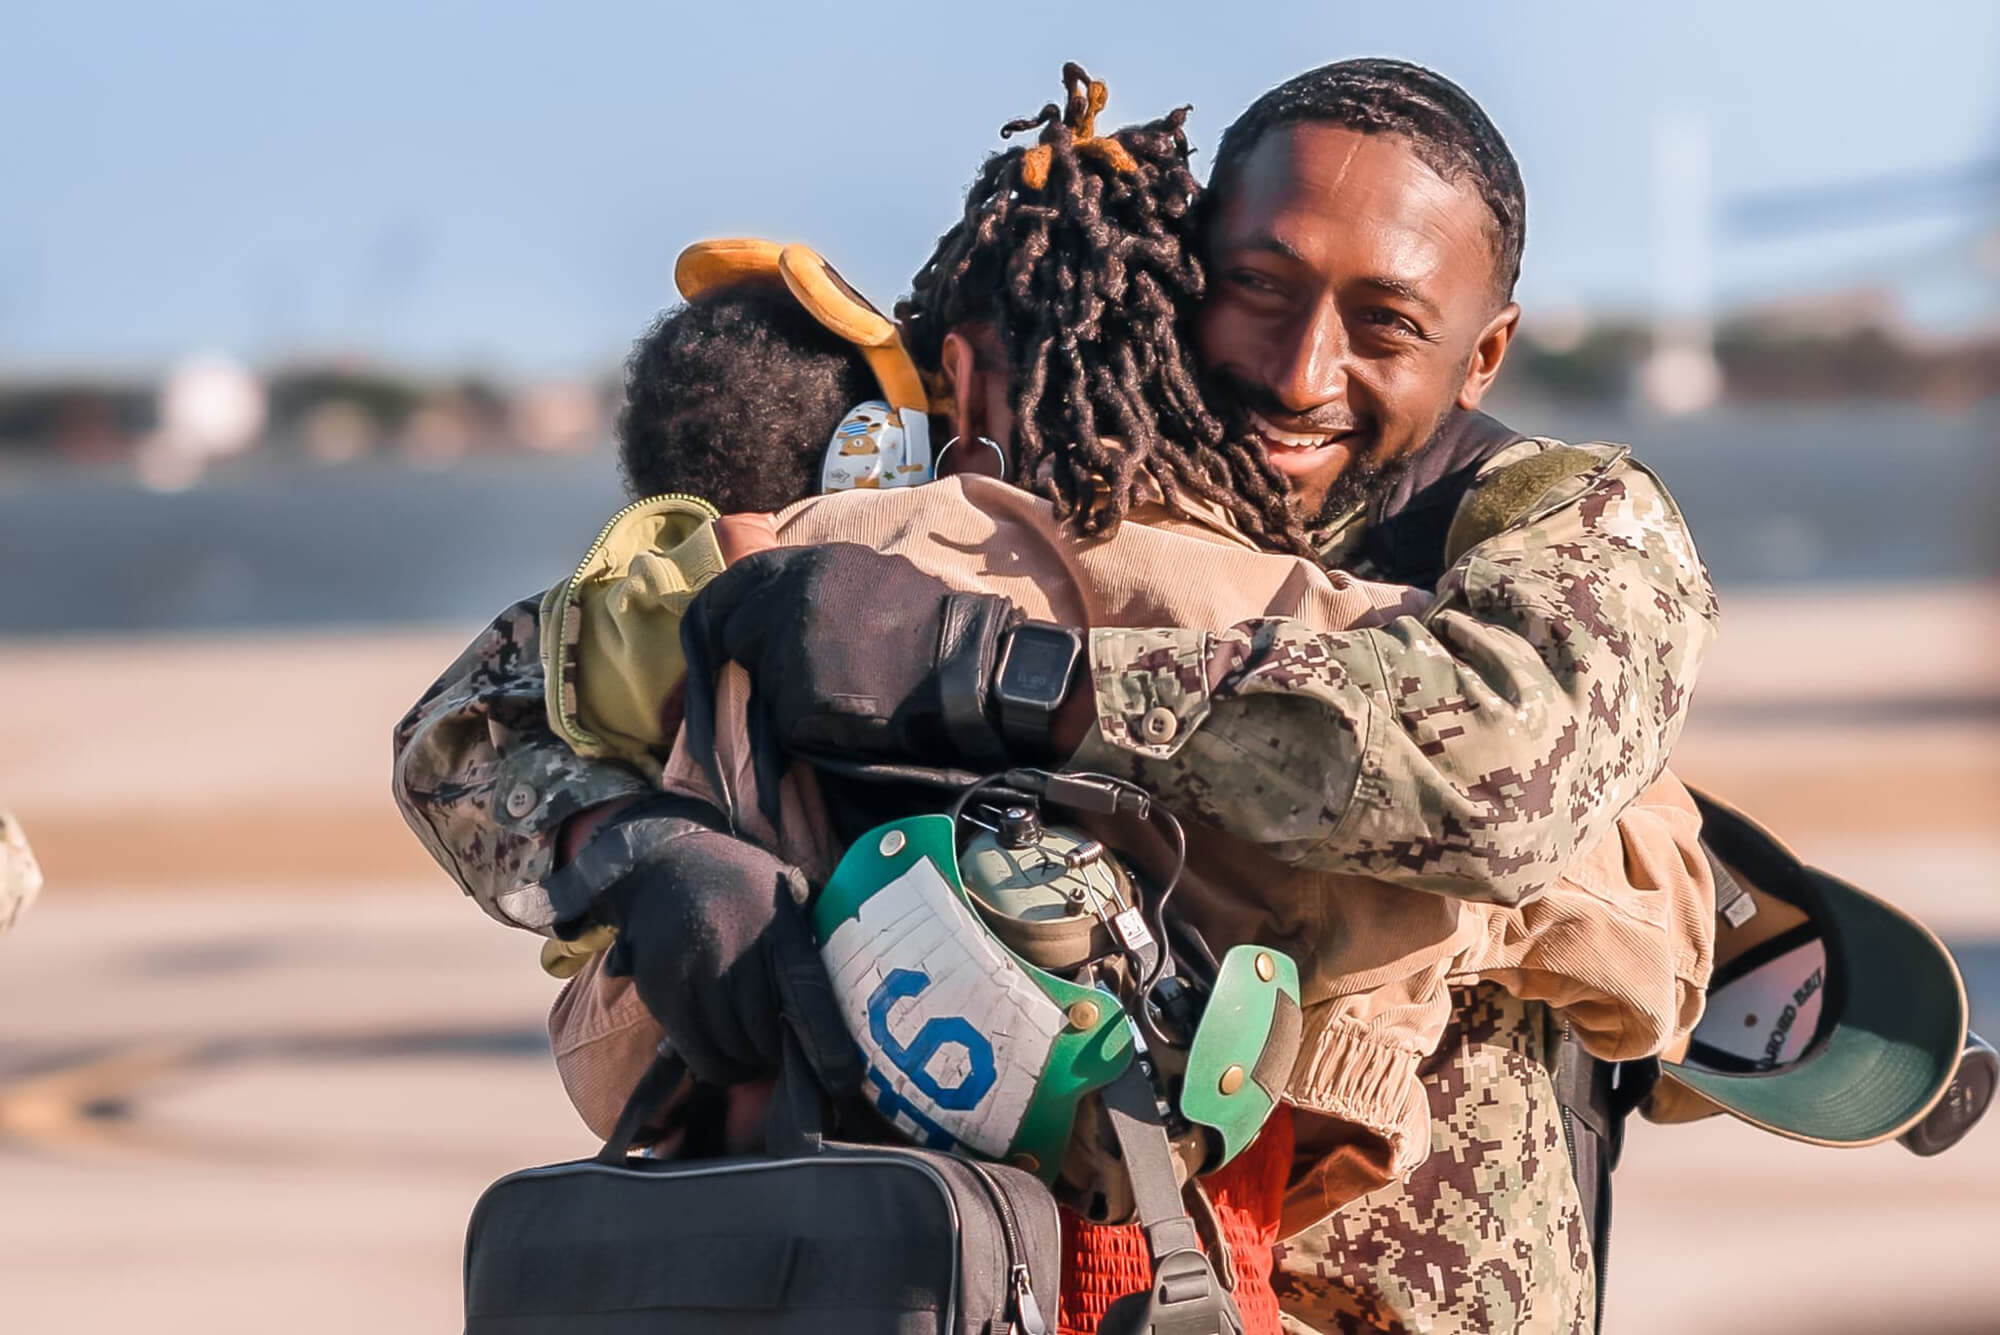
(1366, 238)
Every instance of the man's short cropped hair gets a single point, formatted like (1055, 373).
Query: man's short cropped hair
(1448, 130)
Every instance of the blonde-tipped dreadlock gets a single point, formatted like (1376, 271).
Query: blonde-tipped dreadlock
(1086, 98)
(1080, 254)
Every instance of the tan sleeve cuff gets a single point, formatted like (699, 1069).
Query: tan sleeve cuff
(1376, 1123)
(1350, 1072)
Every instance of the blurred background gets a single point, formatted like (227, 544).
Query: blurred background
(310, 331)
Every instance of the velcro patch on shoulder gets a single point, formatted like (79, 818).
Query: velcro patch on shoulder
(1498, 502)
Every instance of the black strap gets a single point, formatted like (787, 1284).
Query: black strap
(1149, 1162)
(635, 1124)
(795, 1126)
(1595, 1098)
(1186, 1297)
(968, 635)
(1208, 1224)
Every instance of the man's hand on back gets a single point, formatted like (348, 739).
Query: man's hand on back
(851, 653)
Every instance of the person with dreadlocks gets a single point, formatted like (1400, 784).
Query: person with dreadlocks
(1097, 231)
(1354, 321)
(1069, 278)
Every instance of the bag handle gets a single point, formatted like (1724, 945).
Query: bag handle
(660, 1082)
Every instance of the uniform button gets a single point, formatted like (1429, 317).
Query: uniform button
(520, 800)
(1159, 725)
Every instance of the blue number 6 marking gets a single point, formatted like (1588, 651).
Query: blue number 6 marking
(937, 1031)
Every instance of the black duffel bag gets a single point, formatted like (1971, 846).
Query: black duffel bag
(817, 1238)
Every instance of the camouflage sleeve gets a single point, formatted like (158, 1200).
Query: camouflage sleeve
(483, 781)
(1469, 751)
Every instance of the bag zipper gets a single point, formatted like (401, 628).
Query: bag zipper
(1603, 1241)
(1568, 1113)
(1027, 1312)
(604, 533)
(1601, 1244)
(576, 737)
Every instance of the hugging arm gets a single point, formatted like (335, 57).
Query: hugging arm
(705, 921)
(1473, 750)
(486, 785)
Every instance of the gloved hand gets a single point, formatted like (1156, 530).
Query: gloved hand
(712, 933)
(850, 652)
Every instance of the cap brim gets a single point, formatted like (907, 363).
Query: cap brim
(1888, 1051)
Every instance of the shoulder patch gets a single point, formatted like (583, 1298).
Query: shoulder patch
(1499, 500)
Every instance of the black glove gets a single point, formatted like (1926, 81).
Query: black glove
(852, 653)
(712, 933)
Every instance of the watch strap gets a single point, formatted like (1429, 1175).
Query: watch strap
(972, 630)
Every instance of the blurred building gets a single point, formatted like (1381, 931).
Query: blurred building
(1852, 343)
(76, 419)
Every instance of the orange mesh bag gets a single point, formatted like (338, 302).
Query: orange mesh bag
(1103, 1262)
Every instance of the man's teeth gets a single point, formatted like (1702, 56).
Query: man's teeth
(1291, 440)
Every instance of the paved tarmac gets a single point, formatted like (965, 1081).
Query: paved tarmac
(238, 1113)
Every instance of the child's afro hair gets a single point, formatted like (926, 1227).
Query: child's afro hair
(733, 396)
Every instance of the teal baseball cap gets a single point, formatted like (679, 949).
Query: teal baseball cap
(1833, 1017)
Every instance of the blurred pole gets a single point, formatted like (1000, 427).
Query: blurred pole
(1681, 376)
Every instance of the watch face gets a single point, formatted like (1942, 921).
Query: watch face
(1038, 663)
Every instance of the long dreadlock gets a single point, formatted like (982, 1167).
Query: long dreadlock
(1080, 254)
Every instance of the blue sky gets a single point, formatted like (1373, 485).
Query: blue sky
(505, 185)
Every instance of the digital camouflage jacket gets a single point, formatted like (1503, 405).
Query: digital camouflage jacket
(1470, 751)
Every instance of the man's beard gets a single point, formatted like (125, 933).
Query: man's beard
(1360, 484)
(1366, 481)
(1363, 482)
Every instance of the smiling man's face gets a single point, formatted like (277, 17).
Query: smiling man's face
(1352, 304)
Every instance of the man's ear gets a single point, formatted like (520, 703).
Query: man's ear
(1487, 354)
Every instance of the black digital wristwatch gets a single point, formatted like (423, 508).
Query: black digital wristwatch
(1038, 665)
